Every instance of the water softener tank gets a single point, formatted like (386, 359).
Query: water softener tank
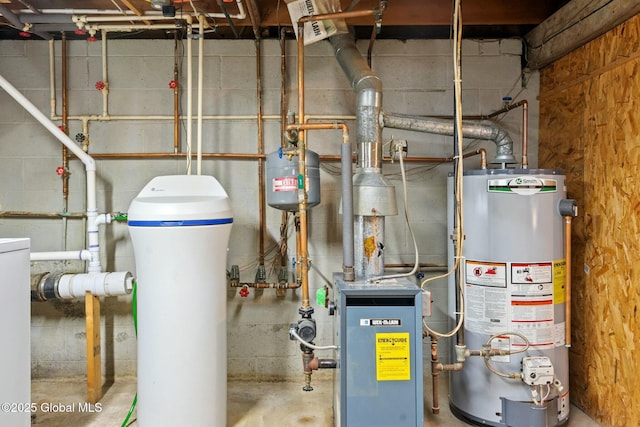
(513, 276)
(180, 228)
(283, 181)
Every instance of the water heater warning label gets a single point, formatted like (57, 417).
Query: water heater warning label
(486, 274)
(393, 357)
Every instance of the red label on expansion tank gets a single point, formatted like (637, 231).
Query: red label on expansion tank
(285, 183)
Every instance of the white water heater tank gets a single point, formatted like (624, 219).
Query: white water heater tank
(180, 227)
(514, 274)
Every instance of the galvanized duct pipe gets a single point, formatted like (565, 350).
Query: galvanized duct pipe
(368, 88)
(485, 131)
(373, 197)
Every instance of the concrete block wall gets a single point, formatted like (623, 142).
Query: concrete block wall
(417, 80)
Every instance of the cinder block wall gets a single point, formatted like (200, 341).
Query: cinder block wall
(417, 79)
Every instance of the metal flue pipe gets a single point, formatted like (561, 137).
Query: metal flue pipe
(373, 197)
(488, 131)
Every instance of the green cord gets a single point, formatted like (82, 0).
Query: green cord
(134, 311)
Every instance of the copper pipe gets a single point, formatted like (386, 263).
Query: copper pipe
(435, 372)
(302, 251)
(65, 126)
(296, 222)
(277, 285)
(505, 109)
(525, 131)
(283, 86)
(347, 192)
(256, 156)
(483, 157)
(262, 207)
(567, 283)
(176, 97)
(41, 215)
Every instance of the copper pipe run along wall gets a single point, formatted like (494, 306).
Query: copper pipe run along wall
(283, 86)
(435, 372)
(567, 301)
(254, 156)
(65, 126)
(41, 215)
(346, 191)
(284, 285)
(302, 254)
(262, 207)
(176, 97)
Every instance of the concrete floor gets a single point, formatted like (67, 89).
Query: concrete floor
(250, 403)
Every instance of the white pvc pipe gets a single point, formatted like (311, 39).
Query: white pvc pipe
(200, 86)
(103, 219)
(87, 160)
(105, 78)
(121, 18)
(130, 27)
(48, 124)
(81, 255)
(240, 15)
(189, 96)
(92, 225)
(52, 78)
(99, 284)
(74, 12)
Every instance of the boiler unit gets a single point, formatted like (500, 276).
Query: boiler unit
(180, 227)
(378, 381)
(513, 275)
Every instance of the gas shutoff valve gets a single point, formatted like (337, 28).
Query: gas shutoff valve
(537, 370)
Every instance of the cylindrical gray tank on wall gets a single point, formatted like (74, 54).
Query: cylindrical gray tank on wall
(282, 180)
(513, 275)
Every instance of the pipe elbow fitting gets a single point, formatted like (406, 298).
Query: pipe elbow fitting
(504, 146)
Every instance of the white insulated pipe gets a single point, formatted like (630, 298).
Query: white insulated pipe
(81, 255)
(189, 95)
(200, 87)
(105, 78)
(52, 78)
(87, 160)
(130, 27)
(72, 286)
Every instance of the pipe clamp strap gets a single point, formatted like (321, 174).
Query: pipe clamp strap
(180, 222)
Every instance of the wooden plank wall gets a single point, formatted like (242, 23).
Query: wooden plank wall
(590, 127)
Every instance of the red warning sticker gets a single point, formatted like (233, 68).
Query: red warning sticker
(285, 183)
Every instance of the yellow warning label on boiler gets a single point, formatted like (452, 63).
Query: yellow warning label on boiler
(559, 281)
(393, 358)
